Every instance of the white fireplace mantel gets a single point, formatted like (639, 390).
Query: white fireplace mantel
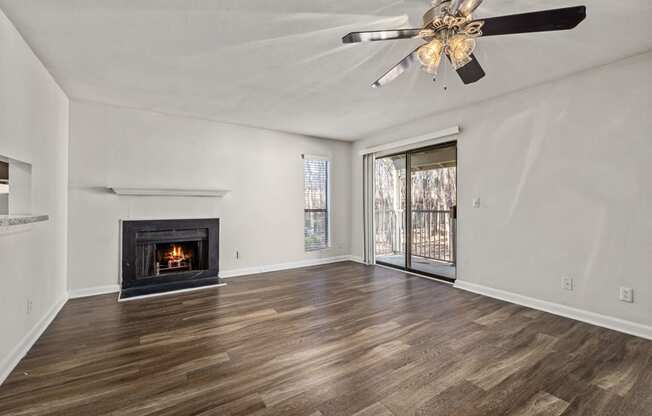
(173, 192)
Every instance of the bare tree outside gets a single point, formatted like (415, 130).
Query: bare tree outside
(389, 205)
(315, 173)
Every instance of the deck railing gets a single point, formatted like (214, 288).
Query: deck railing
(433, 234)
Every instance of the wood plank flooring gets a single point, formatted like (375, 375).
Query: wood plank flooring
(341, 339)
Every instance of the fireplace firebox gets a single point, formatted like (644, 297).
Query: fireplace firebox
(166, 255)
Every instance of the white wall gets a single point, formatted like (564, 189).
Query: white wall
(33, 128)
(262, 217)
(564, 174)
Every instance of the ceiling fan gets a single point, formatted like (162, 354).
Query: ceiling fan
(449, 29)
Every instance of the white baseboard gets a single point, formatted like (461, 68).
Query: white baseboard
(357, 259)
(10, 362)
(93, 291)
(593, 318)
(283, 266)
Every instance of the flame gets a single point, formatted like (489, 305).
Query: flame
(176, 253)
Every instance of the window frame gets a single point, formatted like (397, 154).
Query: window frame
(327, 210)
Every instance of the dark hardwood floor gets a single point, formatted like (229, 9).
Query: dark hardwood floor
(341, 339)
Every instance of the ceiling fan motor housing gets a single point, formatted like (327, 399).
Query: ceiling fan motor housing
(439, 8)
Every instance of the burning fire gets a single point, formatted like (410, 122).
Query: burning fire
(176, 254)
(174, 259)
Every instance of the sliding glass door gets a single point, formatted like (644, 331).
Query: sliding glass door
(415, 210)
(433, 201)
(390, 204)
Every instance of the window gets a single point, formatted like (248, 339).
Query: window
(316, 215)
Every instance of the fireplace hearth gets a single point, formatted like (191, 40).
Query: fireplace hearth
(160, 256)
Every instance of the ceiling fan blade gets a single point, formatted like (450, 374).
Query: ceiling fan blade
(471, 72)
(377, 35)
(397, 70)
(543, 21)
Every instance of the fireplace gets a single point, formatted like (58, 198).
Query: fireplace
(166, 255)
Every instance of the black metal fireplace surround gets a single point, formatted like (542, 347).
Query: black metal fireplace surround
(166, 255)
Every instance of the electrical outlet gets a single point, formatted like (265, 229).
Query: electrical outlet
(29, 306)
(627, 294)
(476, 203)
(567, 283)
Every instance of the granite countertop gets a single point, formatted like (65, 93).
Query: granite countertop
(10, 220)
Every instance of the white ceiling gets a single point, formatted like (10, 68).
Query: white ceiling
(280, 64)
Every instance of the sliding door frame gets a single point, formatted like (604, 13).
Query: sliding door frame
(408, 209)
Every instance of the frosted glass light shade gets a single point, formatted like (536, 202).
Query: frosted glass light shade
(429, 55)
(460, 48)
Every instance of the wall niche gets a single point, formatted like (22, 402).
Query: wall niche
(4, 187)
(16, 193)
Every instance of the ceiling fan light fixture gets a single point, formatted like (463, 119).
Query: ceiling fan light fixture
(429, 55)
(449, 28)
(460, 48)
